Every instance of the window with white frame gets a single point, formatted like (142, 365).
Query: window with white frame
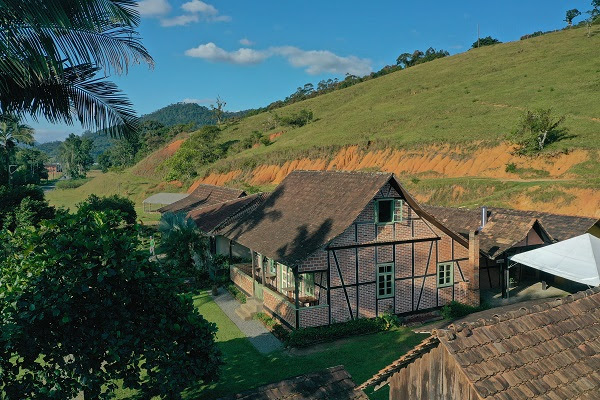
(445, 274)
(385, 280)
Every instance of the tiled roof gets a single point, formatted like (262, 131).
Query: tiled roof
(210, 218)
(505, 228)
(549, 351)
(332, 384)
(309, 209)
(304, 212)
(204, 195)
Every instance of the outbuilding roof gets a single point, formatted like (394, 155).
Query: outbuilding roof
(165, 198)
(505, 228)
(308, 209)
(332, 384)
(549, 351)
(210, 218)
(204, 195)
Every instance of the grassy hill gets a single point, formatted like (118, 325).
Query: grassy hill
(438, 123)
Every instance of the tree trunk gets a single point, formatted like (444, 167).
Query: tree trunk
(542, 139)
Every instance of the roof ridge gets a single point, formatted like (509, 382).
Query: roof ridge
(452, 330)
(338, 171)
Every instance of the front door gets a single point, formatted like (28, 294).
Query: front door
(258, 290)
(258, 287)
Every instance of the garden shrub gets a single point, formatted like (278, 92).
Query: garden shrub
(237, 293)
(455, 309)
(71, 183)
(275, 327)
(309, 336)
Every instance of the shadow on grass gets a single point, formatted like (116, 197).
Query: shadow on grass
(246, 369)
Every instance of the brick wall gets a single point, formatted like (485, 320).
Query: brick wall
(314, 316)
(277, 306)
(241, 280)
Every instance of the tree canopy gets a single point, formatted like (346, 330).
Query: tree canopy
(83, 312)
(52, 51)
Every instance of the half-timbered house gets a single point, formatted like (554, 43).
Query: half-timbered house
(329, 247)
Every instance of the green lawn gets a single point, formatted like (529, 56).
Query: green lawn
(124, 183)
(246, 368)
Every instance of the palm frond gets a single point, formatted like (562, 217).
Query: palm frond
(78, 95)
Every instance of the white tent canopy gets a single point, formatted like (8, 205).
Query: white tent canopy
(576, 259)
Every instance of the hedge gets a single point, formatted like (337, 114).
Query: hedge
(455, 310)
(321, 334)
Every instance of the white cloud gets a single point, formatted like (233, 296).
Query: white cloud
(212, 52)
(321, 61)
(314, 61)
(197, 6)
(195, 11)
(197, 101)
(246, 42)
(154, 8)
(179, 20)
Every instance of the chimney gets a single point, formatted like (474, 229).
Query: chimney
(483, 217)
(472, 273)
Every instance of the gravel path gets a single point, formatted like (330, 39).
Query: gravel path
(257, 334)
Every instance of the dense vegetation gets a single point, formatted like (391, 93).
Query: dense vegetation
(184, 113)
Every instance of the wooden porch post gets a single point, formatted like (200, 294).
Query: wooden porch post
(253, 273)
(296, 300)
(263, 270)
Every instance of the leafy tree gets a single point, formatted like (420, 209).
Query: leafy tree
(30, 212)
(486, 41)
(219, 109)
(31, 166)
(184, 244)
(104, 161)
(52, 52)
(571, 15)
(12, 197)
(538, 129)
(12, 132)
(200, 149)
(110, 203)
(85, 312)
(74, 154)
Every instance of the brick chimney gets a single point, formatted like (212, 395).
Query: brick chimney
(472, 270)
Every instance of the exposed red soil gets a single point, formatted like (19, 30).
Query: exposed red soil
(147, 167)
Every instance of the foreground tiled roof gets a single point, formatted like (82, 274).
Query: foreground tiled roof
(210, 218)
(506, 228)
(332, 384)
(549, 351)
(204, 195)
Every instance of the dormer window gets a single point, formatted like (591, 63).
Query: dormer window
(385, 211)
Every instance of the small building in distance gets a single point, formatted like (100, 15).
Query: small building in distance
(159, 200)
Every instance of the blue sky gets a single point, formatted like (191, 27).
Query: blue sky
(251, 53)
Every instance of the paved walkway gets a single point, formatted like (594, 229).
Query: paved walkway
(257, 334)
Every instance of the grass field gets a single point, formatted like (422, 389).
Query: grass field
(470, 97)
(246, 368)
(106, 184)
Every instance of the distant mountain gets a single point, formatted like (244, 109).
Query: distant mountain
(101, 144)
(174, 114)
(183, 113)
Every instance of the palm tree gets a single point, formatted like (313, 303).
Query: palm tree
(12, 132)
(51, 52)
